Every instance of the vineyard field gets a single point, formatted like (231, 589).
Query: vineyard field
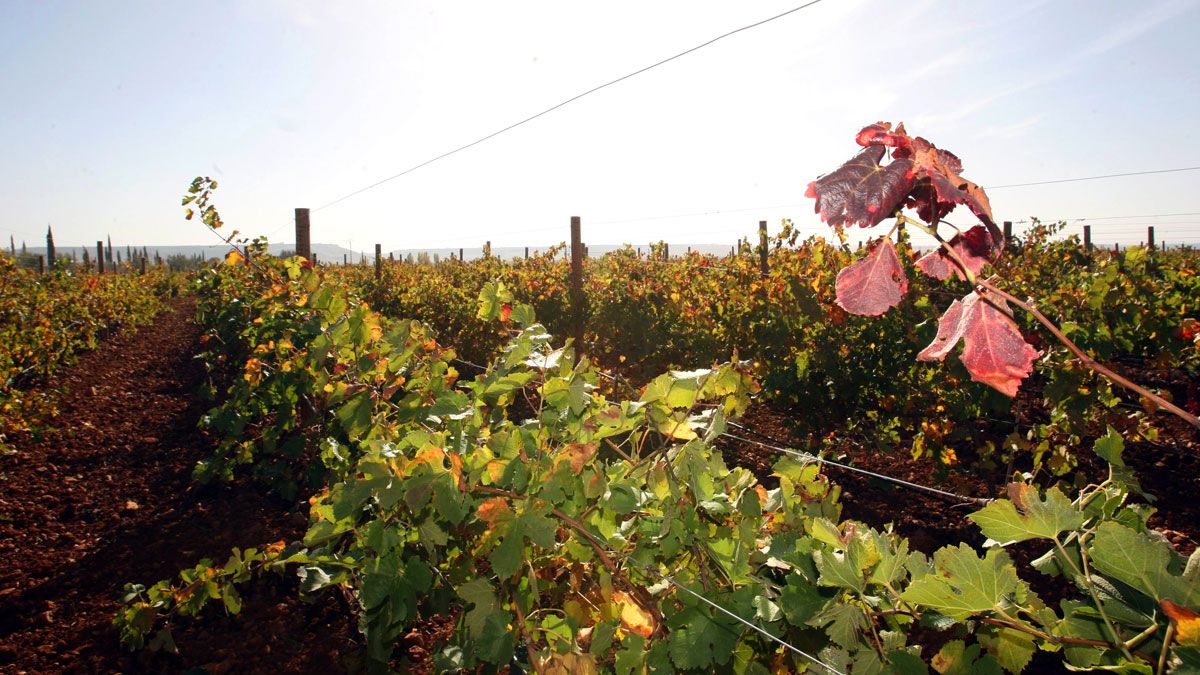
(799, 457)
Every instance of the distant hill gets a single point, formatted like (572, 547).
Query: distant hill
(594, 250)
(324, 252)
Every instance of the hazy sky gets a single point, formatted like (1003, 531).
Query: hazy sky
(110, 109)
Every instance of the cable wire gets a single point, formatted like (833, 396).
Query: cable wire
(567, 101)
(1075, 180)
(809, 657)
(809, 457)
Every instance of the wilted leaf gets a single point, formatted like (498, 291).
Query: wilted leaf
(634, 618)
(490, 510)
(874, 284)
(973, 247)
(1187, 623)
(881, 133)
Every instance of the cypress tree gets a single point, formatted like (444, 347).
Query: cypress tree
(49, 247)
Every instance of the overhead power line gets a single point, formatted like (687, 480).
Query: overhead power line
(567, 101)
(1075, 180)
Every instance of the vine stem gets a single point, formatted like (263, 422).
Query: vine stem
(1083, 356)
(1087, 360)
(1060, 639)
(1166, 648)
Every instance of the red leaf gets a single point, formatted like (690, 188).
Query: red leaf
(880, 133)
(950, 330)
(505, 311)
(874, 284)
(942, 167)
(861, 191)
(974, 248)
(993, 350)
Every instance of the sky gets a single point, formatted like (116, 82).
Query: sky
(112, 108)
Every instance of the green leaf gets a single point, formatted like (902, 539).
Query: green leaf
(495, 642)
(955, 658)
(1141, 562)
(905, 663)
(1027, 516)
(480, 593)
(800, 600)
(701, 642)
(765, 610)
(843, 623)
(1013, 649)
(631, 655)
(839, 569)
(355, 415)
(1110, 446)
(963, 585)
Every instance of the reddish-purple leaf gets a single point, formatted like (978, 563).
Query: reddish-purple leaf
(881, 133)
(950, 330)
(974, 248)
(861, 192)
(994, 351)
(874, 284)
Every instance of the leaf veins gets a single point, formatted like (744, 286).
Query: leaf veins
(994, 351)
(861, 192)
(874, 284)
(973, 247)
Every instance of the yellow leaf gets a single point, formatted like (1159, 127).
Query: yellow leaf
(490, 510)
(633, 618)
(233, 258)
(1187, 623)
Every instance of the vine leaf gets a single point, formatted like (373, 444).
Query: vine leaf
(939, 170)
(881, 133)
(1027, 516)
(963, 585)
(994, 351)
(874, 284)
(975, 248)
(956, 658)
(1187, 623)
(861, 191)
(1141, 562)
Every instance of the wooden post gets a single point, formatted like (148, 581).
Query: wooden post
(100, 256)
(1007, 233)
(378, 262)
(41, 264)
(303, 242)
(689, 250)
(143, 265)
(1087, 237)
(527, 253)
(487, 249)
(1150, 237)
(577, 282)
(763, 266)
(666, 251)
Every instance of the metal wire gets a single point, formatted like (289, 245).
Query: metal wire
(809, 457)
